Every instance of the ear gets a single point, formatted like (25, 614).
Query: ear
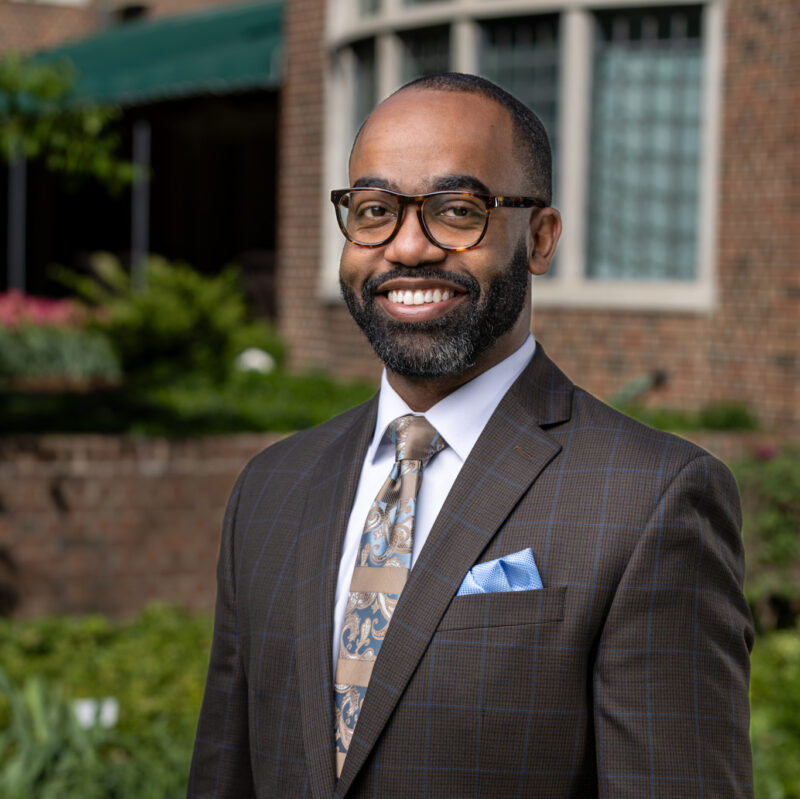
(543, 235)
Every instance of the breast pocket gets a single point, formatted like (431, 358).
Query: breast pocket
(504, 608)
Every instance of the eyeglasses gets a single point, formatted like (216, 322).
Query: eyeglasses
(452, 220)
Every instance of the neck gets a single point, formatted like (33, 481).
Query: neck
(421, 393)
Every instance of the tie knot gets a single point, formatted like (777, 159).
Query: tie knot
(415, 438)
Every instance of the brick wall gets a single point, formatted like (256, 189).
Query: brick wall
(757, 330)
(108, 524)
(747, 350)
(31, 26)
(172, 8)
(322, 334)
(26, 27)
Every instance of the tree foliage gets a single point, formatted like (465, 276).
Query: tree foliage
(40, 120)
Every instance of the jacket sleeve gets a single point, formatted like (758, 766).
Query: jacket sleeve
(671, 674)
(221, 761)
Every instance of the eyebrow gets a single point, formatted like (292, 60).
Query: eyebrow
(374, 183)
(442, 183)
(459, 183)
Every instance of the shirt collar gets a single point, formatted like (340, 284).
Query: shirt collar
(461, 416)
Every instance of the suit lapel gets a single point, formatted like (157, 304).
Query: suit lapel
(321, 533)
(509, 455)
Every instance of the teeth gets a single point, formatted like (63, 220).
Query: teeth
(419, 297)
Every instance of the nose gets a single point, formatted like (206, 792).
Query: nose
(410, 246)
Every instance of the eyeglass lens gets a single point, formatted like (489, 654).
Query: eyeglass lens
(452, 219)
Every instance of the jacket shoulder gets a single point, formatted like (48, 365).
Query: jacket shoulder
(594, 421)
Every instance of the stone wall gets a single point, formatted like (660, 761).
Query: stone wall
(109, 523)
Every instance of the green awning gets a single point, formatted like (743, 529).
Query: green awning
(217, 51)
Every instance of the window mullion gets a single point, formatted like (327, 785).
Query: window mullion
(338, 23)
(713, 47)
(574, 125)
(338, 128)
(389, 63)
(465, 43)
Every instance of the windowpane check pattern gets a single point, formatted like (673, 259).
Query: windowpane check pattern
(368, 7)
(365, 84)
(645, 145)
(425, 52)
(522, 56)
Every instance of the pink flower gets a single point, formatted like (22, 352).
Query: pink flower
(766, 452)
(17, 308)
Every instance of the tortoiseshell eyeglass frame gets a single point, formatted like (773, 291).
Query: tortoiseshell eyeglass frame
(491, 201)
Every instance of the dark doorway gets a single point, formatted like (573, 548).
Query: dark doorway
(212, 195)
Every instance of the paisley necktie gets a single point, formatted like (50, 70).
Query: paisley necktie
(382, 565)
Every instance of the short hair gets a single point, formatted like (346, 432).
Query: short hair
(530, 137)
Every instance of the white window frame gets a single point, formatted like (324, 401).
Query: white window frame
(570, 287)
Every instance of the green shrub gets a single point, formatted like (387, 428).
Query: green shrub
(714, 416)
(45, 753)
(155, 666)
(775, 714)
(770, 489)
(662, 418)
(56, 352)
(191, 405)
(182, 322)
(727, 416)
(252, 401)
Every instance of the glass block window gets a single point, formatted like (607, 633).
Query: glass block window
(425, 52)
(628, 91)
(366, 8)
(645, 145)
(365, 84)
(522, 56)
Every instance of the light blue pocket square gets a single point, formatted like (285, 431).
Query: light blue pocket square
(514, 572)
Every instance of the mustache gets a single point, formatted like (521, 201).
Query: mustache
(467, 282)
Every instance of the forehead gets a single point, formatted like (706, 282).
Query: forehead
(417, 137)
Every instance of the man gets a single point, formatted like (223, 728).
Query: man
(572, 624)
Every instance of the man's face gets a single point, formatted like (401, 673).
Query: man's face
(472, 302)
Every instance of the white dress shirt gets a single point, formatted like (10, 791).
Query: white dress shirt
(459, 418)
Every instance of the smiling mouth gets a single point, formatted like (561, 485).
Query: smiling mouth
(419, 296)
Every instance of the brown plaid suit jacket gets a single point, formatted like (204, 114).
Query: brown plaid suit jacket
(625, 676)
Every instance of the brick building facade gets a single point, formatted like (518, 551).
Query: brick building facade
(77, 514)
(735, 339)
(743, 347)
(30, 25)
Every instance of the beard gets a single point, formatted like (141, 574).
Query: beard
(452, 343)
